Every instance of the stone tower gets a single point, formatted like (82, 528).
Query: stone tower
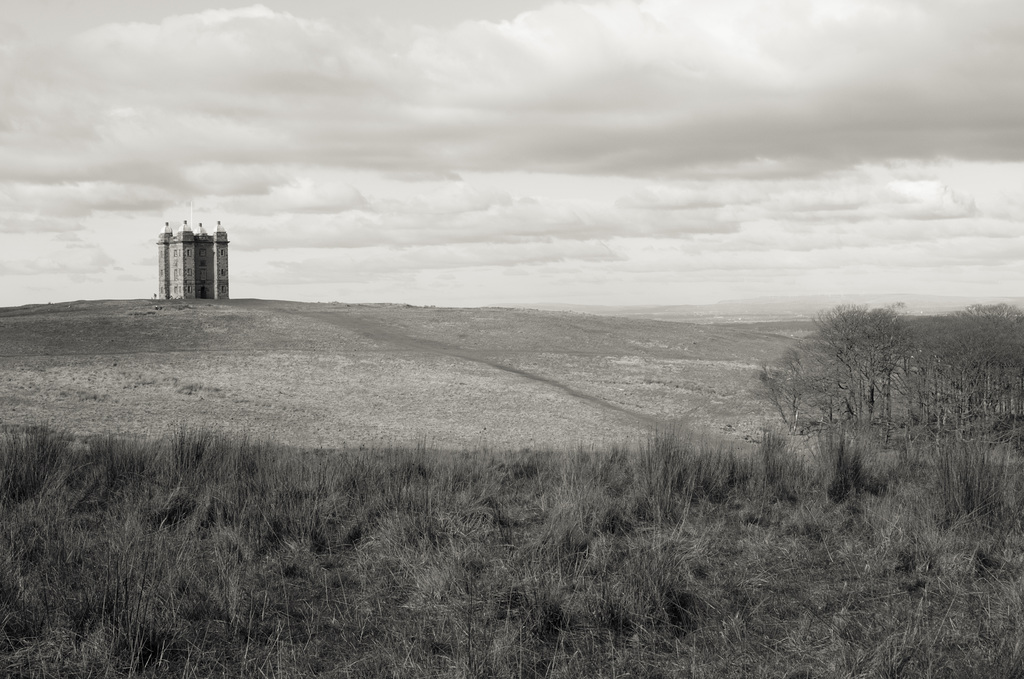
(193, 265)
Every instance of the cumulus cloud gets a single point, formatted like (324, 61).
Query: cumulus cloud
(32, 223)
(384, 261)
(453, 198)
(80, 260)
(78, 199)
(639, 86)
(301, 195)
(826, 202)
(629, 87)
(461, 212)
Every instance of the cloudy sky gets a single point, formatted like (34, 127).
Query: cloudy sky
(462, 152)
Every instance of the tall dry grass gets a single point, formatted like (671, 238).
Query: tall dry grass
(208, 554)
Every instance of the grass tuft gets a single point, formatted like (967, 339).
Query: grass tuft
(847, 454)
(784, 473)
(976, 483)
(31, 458)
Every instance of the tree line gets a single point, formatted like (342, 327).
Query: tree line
(960, 374)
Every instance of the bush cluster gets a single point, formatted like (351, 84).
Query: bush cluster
(959, 375)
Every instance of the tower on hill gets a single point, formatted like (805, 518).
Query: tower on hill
(193, 265)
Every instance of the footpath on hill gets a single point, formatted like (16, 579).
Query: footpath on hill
(332, 375)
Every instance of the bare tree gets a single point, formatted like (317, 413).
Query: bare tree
(961, 374)
(866, 351)
(785, 385)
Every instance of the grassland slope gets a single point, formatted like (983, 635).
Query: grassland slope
(331, 375)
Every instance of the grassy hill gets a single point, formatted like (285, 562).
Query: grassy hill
(330, 375)
(208, 550)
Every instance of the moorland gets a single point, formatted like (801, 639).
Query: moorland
(277, 489)
(330, 375)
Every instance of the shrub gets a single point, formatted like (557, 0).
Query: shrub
(676, 469)
(30, 458)
(975, 483)
(784, 473)
(846, 454)
(189, 446)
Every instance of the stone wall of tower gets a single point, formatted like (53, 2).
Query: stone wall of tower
(203, 285)
(220, 264)
(177, 274)
(188, 265)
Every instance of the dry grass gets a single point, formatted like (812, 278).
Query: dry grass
(386, 532)
(326, 375)
(210, 554)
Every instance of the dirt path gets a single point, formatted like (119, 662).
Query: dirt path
(388, 336)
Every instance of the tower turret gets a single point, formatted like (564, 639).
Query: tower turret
(163, 244)
(220, 263)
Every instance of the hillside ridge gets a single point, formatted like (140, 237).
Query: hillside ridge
(333, 374)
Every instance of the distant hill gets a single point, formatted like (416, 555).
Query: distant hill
(762, 309)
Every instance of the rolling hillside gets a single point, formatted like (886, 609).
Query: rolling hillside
(331, 375)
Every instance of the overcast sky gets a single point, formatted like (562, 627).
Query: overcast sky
(463, 153)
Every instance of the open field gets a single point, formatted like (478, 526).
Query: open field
(331, 375)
